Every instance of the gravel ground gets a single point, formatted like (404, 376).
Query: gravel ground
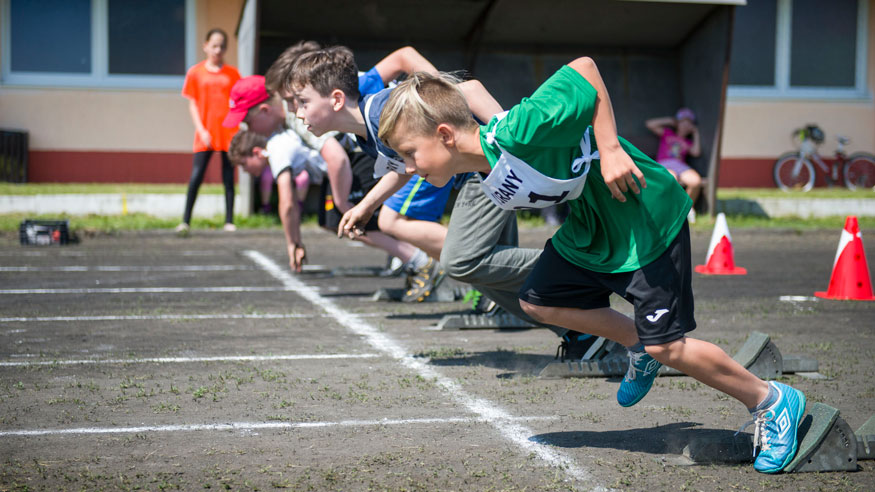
(193, 366)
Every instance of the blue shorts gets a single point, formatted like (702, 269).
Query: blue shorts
(420, 200)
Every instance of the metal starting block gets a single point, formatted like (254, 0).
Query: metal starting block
(825, 443)
(483, 321)
(355, 271)
(445, 292)
(758, 354)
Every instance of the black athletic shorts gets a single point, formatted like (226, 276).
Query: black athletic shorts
(660, 292)
(362, 181)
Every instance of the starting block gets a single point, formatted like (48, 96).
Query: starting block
(502, 321)
(758, 354)
(445, 292)
(354, 271)
(825, 443)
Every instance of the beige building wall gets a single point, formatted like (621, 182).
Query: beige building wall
(760, 128)
(103, 119)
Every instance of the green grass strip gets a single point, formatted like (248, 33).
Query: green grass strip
(102, 188)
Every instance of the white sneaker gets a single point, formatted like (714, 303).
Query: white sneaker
(229, 227)
(182, 228)
(691, 217)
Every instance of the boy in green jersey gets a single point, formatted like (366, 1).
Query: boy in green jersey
(626, 232)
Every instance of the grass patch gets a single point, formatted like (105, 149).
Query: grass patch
(93, 224)
(96, 188)
(754, 193)
(705, 223)
(109, 224)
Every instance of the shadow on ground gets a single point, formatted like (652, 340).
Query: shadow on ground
(515, 363)
(661, 439)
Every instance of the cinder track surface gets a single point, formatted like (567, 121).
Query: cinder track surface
(196, 364)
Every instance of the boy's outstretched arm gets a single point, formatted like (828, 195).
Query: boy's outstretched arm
(291, 219)
(403, 60)
(353, 222)
(618, 169)
(480, 101)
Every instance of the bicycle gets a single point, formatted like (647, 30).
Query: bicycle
(794, 171)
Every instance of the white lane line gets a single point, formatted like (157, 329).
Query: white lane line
(159, 317)
(127, 268)
(143, 290)
(796, 298)
(104, 254)
(253, 426)
(491, 413)
(171, 360)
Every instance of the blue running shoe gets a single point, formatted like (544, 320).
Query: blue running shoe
(639, 378)
(775, 429)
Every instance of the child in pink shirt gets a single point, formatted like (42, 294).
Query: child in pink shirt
(679, 137)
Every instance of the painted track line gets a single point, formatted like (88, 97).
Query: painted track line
(797, 298)
(172, 360)
(500, 419)
(160, 317)
(104, 254)
(128, 268)
(143, 290)
(252, 426)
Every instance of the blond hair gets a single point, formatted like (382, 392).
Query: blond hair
(424, 101)
(242, 145)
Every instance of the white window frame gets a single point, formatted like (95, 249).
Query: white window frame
(99, 76)
(782, 89)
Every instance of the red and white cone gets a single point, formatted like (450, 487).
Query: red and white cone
(850, 274)
(720, 260)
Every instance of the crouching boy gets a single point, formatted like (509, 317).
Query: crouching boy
(287, 156)
(626, 233)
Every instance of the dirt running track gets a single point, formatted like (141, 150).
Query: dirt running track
(147, 361)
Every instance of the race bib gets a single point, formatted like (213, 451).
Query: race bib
(385, 165)
(512, 185)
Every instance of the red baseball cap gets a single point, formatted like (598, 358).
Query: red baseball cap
(245, 94)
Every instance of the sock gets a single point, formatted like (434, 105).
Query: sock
(768, 401)
(395, 263)
(418, 260)
(638, 347)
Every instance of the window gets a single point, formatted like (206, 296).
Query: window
(799, 49)
(753, 44)
(97, 43)
(51, 36)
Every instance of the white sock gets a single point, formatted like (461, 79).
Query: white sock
(419, 259)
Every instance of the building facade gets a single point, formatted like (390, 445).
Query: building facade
(796, 62)
(97, 85)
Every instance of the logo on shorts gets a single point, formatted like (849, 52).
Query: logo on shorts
(653, 318)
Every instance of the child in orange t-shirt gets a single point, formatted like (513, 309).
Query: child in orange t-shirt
(208, 88)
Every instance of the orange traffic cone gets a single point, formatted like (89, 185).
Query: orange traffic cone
(719, 260)
(850, 275)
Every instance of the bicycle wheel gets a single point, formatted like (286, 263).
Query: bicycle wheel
(792, 172)
(859, 171)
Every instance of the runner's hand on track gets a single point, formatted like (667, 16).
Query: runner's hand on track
(352, 224)
(297, 255)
